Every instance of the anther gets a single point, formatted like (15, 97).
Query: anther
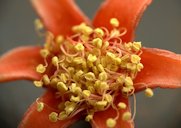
(114, 22)
(99, 32)
(38, 24)
(136, 46)
(149, 92)
(103, 76)
(126, 116)
(59, 39)
(44, 53)
(89, 117)
(53, 116)
(122, 105)
(62, 115)
(90, 76)
(40, 106)
(38, 83)
(86, 93)
(128, 81)
(111, 123)
(40, 68)
(97, 42)
(55, 61)
(46, 79)
(61, 87)
(135, 59)
(79, 47)
(91, 58)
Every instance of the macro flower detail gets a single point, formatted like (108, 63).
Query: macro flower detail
(89, 69)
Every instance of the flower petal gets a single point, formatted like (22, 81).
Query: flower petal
(99, 119)
(59, 16)
(20, 63)
(128, 12)
(161, 69)
(35, 119)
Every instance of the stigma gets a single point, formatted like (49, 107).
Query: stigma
(89, 69)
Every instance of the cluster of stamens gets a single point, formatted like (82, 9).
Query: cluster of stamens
(88, 70)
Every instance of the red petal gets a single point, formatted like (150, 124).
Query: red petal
(35, 119)
(99, 120)
(128, 12)
(161, 69)
(59, 15)
(20, 63)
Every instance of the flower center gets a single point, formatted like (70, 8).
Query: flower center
(89, 69)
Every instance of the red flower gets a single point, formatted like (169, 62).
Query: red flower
(161, 68)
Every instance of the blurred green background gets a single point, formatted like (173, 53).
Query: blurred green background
(160, 27)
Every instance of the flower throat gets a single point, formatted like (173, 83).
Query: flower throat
(88, 70)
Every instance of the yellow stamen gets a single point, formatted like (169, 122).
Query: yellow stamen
(111, 123)
(126, 116)
(53, 116)
(149, 92)
(114, 22)
(40, 68)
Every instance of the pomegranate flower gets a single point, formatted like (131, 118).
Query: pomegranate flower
(89, 69)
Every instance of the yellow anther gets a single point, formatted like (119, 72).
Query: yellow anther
(99, 32)
(118, 60)
(126, 116)
(38, 83)
(75, 89)
(101, 87)
(84, 37)
(108, 98)
(38, 24)
(100, 68)
(135, 59)
(71, 70)
(105, 45)
(149, 92)
(78, 74)
(89, 117)
(40, 106)
(46, 79)
(103, 76)
(62, 115)
(63, 77)
(120, 80)
(59, 39)
(131, 66)
(114, 22)
(101, 104)
(75, 98)
(127, 89)
(55, 61)
(128, 46)
(115, 33)
(139, 66)
(79, 47)
(44, 53)
(87, 30)
(86, 93)
(53, 116)
(128, 81)
(40, 68)
(111, 55)
(136, 46)
(54, 81)
(91, 89)
(112, 67)
(95, 70)
(110, 123)
(69, 59)
(97, 42)
(122, 105)
(61, 87)
(69, 107)
(78, 60)
(91, 58)
(90, 76)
